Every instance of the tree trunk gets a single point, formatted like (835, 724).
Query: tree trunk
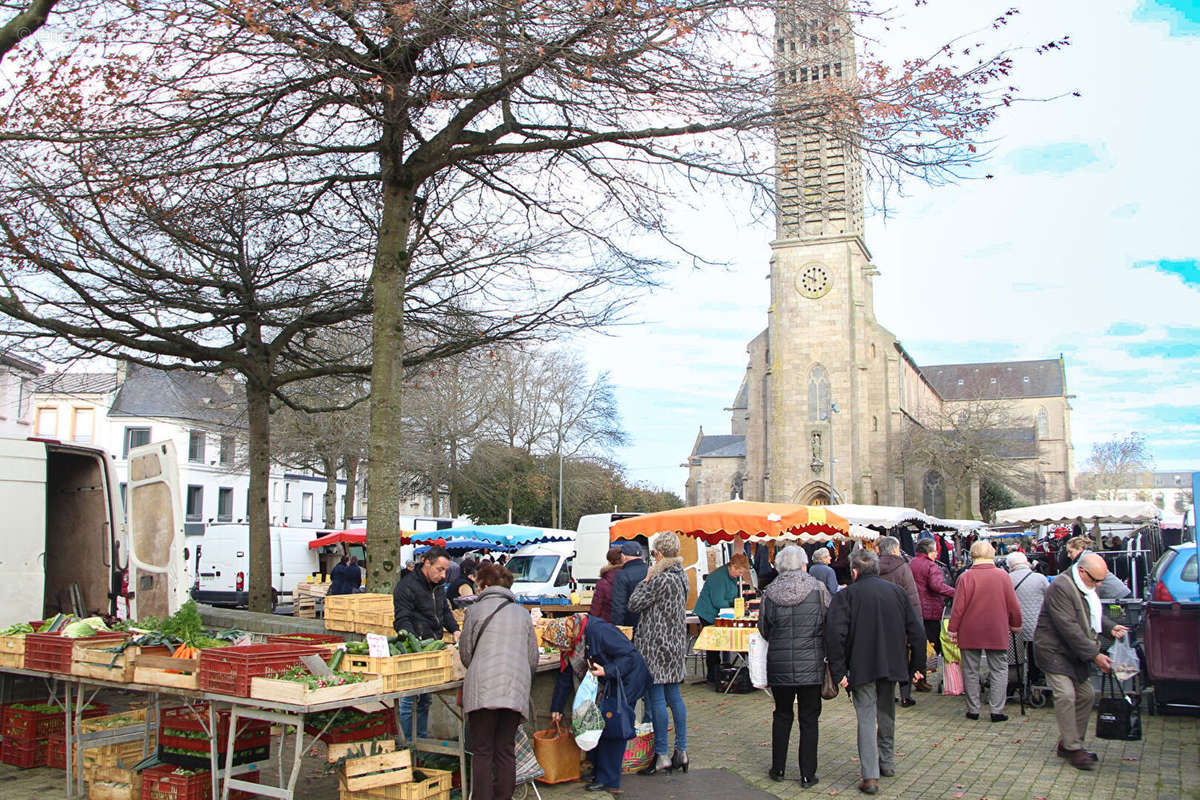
(388, 281)
(451, 479)
(350, 466)
(435, 481)
(258, 411)
(329, 465)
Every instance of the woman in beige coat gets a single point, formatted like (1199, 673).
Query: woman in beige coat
(499, 650)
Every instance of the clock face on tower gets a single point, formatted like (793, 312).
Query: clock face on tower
(813, 281)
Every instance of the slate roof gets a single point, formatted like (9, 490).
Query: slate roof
(175, 394)
(76, 383)
(721, 447)
(23, 364)
(742, 401)
(1013, 442)
(997, 380)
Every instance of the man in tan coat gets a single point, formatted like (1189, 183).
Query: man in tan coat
(1066, 644)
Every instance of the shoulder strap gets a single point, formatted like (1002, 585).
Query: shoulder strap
(484, 624)
(1018, 586)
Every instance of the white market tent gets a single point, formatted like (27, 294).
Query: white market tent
(862, 533)
(1094, 511)
(887, 517)
(966, 525)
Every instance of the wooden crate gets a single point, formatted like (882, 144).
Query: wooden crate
(107, 790)
(375, 772)
(163, 670)
(409, 671)
(304, 607)
(93, 660)
(12, 651)
(426, 784)
(349, 612)
(134, 716)
(299, 694)
(369, 747)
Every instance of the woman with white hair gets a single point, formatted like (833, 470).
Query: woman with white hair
(1030, 588)
(661, 638)
(792, 620)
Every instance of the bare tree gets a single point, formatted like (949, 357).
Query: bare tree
(24, 19)
(1121, 463)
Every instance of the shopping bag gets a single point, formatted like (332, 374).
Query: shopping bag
(617, 711)
(950, 650)
(527, 766)
(1125, 662)
(1118, 716)
(952, 678)
(586, 691)
(587, 723)
(757, 659)
(556, 753)
(639, 750)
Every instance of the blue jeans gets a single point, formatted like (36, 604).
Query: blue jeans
(657, 699)
(424, 701)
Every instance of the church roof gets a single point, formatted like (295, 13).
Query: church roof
(721, 447)
(742, 400)
(997, 380)
(1014, 442)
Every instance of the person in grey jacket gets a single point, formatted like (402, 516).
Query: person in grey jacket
(820, 569)
(792, 620)
(1031, 591)
(499, 649)
(661, 638)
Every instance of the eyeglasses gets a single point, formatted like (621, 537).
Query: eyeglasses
(1093, 577)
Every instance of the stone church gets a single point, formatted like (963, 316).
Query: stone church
(830, 399)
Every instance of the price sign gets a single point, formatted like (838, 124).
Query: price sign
(377, 645)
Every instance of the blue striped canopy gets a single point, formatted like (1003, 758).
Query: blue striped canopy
(506, 535)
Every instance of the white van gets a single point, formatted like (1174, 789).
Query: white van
(223, 563)
(68, 544)
(542, 570)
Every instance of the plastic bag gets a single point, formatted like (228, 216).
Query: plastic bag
(587, 723)
(1124, 659)
(757, 661)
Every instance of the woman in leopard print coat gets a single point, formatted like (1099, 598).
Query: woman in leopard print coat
(661, 637)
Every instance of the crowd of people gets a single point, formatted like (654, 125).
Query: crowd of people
(866, 635)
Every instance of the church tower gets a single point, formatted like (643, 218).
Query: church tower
(818, 347)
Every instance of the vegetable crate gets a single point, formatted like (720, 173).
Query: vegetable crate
(329, 641)
(426, 784)
(183, 738)
(56, 750)
(158, 669)
(169, 782)
(229, 670)
(360, 613)
(23, 754)
(297, 693)
(12, 651)
(93, 659)
(359, 727)
(54, 652)
(376, 772)
(114, 756)
(409, 671)
(113, 783)
(30, 722)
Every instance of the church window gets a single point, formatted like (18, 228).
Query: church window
(1043, 423)
(874, 423)
(934, 494)
(818, 394)
(872, 350)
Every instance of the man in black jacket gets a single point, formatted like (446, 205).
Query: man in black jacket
(420, 607)
(873, 640)
(633, 571)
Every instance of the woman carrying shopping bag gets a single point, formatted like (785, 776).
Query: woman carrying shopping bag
(589, 644)
(499, 649)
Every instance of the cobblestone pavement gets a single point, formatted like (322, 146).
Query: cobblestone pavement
(940, 754)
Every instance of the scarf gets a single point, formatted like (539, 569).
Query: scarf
(566, 633)
(1089, 595)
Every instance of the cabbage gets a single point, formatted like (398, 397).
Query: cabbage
(97, 623)
(79, 630)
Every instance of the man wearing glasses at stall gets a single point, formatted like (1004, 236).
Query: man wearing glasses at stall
(1066, 644)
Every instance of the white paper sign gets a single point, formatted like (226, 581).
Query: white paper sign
(377, 645)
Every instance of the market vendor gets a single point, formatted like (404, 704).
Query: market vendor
(720, 590)
(421, 608)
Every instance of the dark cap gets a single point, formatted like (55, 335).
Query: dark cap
(631, 548)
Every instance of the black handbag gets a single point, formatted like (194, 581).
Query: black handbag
(1119, 717)
(617, 712)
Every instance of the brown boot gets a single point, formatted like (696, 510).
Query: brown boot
(923, 686)
(1080, 759)
(869, 786)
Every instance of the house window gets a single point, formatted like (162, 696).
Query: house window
(135, 437)
(124, 488)
(224, 504)
(275, 492)
(47, 422)
(195, 503)
(82, 425)
(287, 493)
(306, 507)
(196, 447)
(23, 395)
(818, 394)
(1043, 423)
(228, 450)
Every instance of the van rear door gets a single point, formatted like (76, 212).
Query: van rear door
(154, 525)
(22, 558)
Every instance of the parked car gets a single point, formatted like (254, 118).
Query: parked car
(1171, 639)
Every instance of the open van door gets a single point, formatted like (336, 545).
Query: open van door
(23, 557)
(154, 528)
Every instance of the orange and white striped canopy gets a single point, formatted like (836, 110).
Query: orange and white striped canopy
(738, 519)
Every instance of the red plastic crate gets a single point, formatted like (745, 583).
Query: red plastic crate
(52, 652)
(159, 783)
(56, 750)
(29, 725)
(228, 670)
(23, 755)
(304, 638)
(252, 744)
(379, 725)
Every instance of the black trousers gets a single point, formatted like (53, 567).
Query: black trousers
(808, 699)
(493, 758)
(933, 633)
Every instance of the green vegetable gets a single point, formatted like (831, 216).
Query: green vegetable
(17, 630)
(430, 645)
(79, 630)
(336, 661)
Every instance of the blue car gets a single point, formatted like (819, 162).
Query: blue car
(1175, 576)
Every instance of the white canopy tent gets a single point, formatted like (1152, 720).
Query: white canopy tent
(886, 517)
(966, 525)
(1092, 511)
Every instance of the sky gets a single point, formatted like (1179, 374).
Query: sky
(1086, 242)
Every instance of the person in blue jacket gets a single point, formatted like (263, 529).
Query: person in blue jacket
(339, 579)
(590, 644)
(633, 571)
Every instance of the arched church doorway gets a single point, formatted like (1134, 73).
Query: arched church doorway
(815, 493)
